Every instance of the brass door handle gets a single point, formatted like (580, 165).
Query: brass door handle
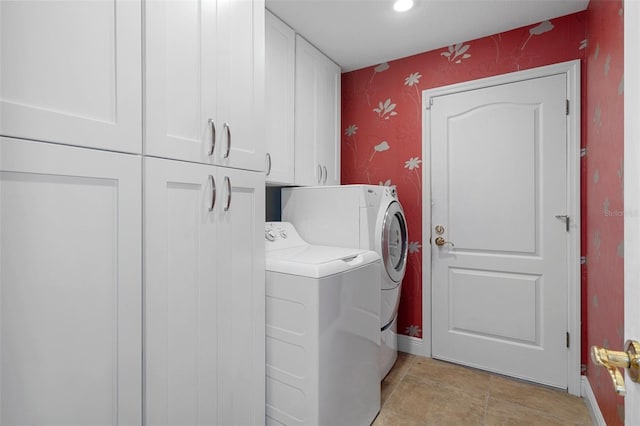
(440, 242)
(612, 360)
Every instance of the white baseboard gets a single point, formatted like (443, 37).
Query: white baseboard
(410, 345)
(590, 399)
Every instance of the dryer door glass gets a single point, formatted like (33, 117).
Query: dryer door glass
(394, 242)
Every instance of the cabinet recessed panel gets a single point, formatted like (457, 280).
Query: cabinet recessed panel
(70, 303)
(82, 85)
(71, 72)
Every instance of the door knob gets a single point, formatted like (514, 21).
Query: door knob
(440, 242)
(612, 360)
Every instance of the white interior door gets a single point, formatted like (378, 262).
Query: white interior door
(499, 181)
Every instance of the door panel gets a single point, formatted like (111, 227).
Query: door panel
(499, 178)
(241, 295)
(240, 59)
(481, 148)
(180, 79)
(70, 292)
(81, 86)
(180, 294)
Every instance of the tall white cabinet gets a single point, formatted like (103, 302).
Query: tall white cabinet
(131, 267)
(317, 117)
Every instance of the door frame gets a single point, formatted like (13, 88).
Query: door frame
(572, 71)
(631, 195)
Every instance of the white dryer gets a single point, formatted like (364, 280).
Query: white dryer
(322, 317)
(358, 216)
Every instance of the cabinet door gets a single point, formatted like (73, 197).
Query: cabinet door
(180, 293)
(317, 117)
(71, 72)
(308, 170)
(280, 45)
(70, 285)
(241, 84)
(328, 127)
(241, 298)
(180, 80)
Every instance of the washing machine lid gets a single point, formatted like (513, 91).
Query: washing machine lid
(318, 261)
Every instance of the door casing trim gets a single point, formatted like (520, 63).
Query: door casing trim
(572, 71)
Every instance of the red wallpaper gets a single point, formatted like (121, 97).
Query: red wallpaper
(381, 118)
(603, 175)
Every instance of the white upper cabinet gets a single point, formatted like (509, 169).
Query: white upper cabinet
(280, 77)
(70, 279)
(71, 72)
(317, 117)
(204, 81)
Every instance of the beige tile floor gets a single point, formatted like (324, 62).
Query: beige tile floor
(422, 391)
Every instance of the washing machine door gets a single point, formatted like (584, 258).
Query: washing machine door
(394, 242)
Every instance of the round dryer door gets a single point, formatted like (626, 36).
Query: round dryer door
(394, 242)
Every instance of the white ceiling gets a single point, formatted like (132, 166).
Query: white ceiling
(360, 33)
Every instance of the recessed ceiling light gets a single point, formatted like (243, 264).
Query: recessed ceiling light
(402, 5)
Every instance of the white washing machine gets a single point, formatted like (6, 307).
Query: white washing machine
(323, 336)
(361, 216)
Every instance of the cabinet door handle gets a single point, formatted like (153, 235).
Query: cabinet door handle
(212, 126)
(319, 173)
(324, 169)
(213, 192)
(227, 130)
(227, 182)
(268, 164)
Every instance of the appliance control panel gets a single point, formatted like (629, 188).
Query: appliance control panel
(281, 235)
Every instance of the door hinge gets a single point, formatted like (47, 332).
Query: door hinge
(430, 103)
(567, 339)
(583, 260)
(567, 106)
(583, 152)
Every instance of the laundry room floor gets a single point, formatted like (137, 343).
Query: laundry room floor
(423, 391)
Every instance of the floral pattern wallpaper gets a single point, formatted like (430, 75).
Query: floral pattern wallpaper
(382, 144)
(603, 178)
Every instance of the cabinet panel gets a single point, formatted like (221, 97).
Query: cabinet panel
(70, 290)
(180, 79)
(241, 299)
(71, 72)
(328, 144)
(180, 293)
(307, 167)
(280, 77)
(241, 73)
(317, 117)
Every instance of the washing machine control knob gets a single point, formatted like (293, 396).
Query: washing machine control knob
(270, 235)
(283, 233)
